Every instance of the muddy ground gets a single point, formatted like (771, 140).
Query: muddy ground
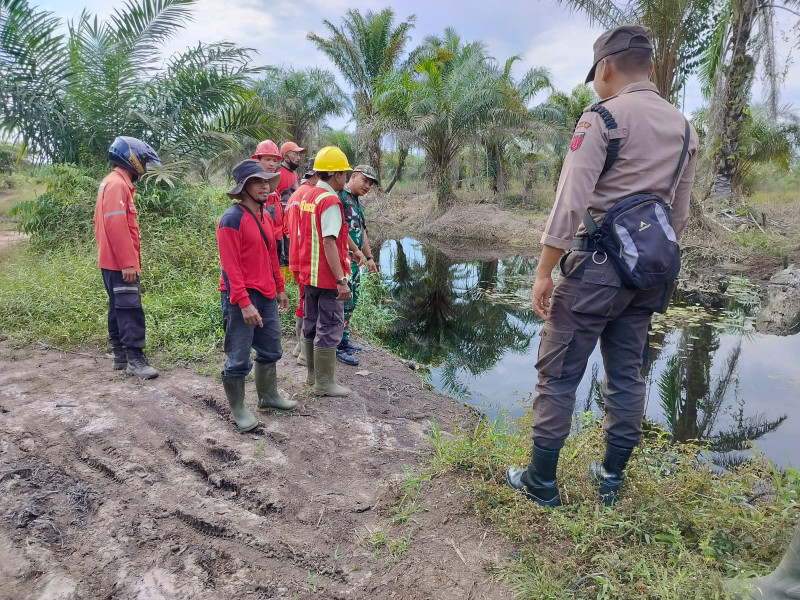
(114, 488)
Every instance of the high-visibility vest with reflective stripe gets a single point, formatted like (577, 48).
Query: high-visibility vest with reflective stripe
(314, 269)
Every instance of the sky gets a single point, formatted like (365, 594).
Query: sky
(542, 33)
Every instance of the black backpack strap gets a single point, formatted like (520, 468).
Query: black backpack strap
(686, 135)
(613, 145)
(263, 235)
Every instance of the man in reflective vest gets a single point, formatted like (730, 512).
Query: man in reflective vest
(291, 155)
(293, 226)
(324, 265)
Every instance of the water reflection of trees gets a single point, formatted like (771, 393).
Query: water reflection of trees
(444, 322)
(692, 400)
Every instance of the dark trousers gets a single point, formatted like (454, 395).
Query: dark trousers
(283, 252)
(589, 303)
(126, 325)
(241, 338)
(323, 317)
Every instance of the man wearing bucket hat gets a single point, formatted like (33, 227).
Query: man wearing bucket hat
(631, 147)
(324, 265)
(249, 285)
(360, 252)
(293, 225)
(291, 155)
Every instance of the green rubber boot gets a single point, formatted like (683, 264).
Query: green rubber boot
(298, 332)
(308, 346)
(266, 376)
(324, 373)
(234, 390)
(782, 584)
(302, 357)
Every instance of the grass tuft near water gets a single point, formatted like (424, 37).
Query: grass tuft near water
(678, 532)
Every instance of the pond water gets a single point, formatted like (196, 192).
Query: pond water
(710, 375)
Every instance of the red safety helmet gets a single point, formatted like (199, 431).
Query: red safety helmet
(267, 148)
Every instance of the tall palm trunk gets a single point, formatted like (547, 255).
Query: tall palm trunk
(374, 153)
(735, 90)
(402, 153)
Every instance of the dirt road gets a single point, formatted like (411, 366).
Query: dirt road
(112, 488)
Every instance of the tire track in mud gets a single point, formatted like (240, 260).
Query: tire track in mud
(309, 561)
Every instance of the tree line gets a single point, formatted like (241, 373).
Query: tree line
(68, 89)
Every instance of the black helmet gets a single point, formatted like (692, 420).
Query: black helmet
(133, 155)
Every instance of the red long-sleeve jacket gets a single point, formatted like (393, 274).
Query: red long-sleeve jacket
(246, 261)
(115, 227)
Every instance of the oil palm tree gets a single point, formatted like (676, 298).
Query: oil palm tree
(764, 139)
(195, 105)
(495, 138)
(34, 69)
(561, 111)
(744, 37)
(364, 48)
(453, 94)
(680, 29)
(302, 99)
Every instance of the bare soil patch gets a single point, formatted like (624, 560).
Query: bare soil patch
(116, 488)
(481, 227)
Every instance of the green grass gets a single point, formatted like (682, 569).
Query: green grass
(676, 534)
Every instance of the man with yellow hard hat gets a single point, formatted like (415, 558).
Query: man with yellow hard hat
(324, 264)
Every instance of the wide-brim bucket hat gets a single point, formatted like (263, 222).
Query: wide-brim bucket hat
(247, 169)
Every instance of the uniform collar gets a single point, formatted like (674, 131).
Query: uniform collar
(638, 86)
(324, 185)
(125, 175)
(347, 191)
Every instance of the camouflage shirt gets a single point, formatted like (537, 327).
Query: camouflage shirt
(354, 215)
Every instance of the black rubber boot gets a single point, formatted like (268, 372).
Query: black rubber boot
(610, 474)
(346, 358)
(538, 481)
(138, 365)
(120, 358)
(782, 584)
(348, 346)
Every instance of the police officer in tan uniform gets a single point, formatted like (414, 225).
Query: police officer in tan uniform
(590, 301)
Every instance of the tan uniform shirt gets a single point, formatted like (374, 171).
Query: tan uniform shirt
(651, 133)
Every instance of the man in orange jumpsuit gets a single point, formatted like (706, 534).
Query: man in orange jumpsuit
(117, 235)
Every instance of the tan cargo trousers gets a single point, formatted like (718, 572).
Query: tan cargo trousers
(590, 303)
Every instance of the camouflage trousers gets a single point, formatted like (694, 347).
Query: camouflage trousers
(355, 292)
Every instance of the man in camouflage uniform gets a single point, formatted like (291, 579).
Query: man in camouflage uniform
(360, 253)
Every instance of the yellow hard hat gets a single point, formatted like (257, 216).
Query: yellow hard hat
(331, 158)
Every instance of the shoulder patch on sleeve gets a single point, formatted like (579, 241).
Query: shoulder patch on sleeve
(231, 218)
(577, 140)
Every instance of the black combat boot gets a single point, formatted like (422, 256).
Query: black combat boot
(120, 358)
(538, 481)
(345, 357)
(348, 346)
(610, 474)
(138, 365)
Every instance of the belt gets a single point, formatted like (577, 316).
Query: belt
(585, 244)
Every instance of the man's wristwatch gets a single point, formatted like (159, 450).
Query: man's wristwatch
(368, 257)
(342, 281)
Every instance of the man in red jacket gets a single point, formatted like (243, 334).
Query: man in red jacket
(291, 155)
(251, 281)
(117, 235)
(267, 154)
